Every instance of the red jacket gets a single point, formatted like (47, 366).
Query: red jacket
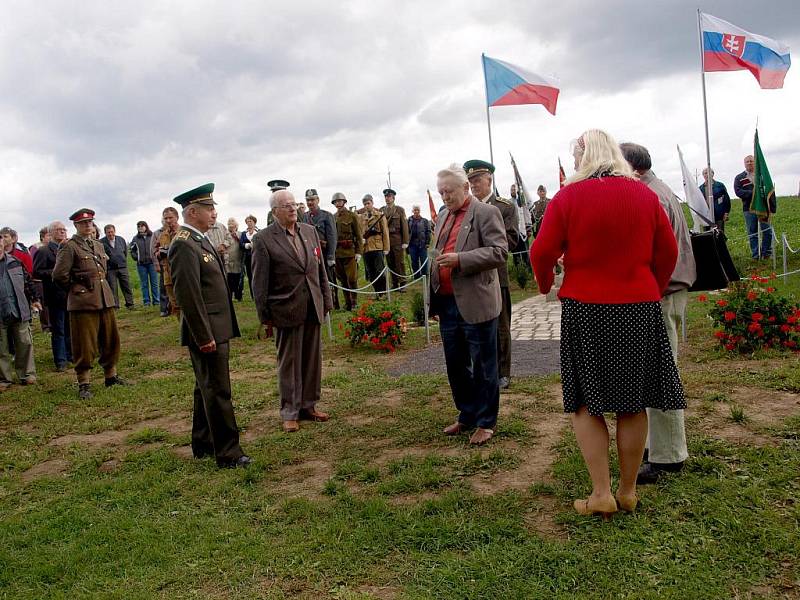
(617, 243)
(24, 258)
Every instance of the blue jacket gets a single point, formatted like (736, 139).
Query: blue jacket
(419, 232)
(720, 198)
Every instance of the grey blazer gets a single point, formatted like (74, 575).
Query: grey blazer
(482, 248)
(283, 284)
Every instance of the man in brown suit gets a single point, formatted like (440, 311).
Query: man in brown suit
(398, 237)
(162, 244)
(291, 290)
(469, 246)
(80, 269)
(208, 323)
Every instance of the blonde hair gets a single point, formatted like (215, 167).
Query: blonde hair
(598, 152)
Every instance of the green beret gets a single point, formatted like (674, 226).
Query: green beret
(199, 195)
(388, 191)
(278, 184)
(83, 214)
(476, 167)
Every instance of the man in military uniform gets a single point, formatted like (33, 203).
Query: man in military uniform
(326, 229)
(481, 181)
(208, 322)
(348, 248)
(398, 237)
(80, 268)
(168, 233)
(376, 243)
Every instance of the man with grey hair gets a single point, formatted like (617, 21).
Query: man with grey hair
(290, 287)
(469, 247)
(666, 448)
(208, 323)
(419, 236)
(221, 239)
(54, 296)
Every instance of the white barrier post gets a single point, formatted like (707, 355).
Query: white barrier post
(388, 281)
(772, 251)
(784, 243)
(330, 326)
(425, 308)
(683, 323)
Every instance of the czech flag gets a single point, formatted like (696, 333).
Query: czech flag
(729, 48)
(507, 84)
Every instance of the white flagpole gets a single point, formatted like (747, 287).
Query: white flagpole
(705, 114)
(488, 120)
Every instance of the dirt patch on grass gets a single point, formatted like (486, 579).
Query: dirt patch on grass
(541, 518)
(302, 480)
(380, 592)
(391, 399)
(48, 468)
(389, 455)
(174, 424)
(109, 466)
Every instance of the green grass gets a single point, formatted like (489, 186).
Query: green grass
(376, 502)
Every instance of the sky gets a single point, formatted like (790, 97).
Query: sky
(121, 106)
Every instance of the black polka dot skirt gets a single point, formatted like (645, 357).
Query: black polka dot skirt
(617, 358)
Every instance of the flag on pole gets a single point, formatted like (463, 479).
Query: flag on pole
(730, 48)
(763, 188)
(522, 191)
(695, 199)
(508, 84)
(562, 177)
(432, 207)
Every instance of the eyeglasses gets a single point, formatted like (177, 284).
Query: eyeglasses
(288, 206)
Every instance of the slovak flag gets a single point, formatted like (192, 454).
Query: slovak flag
(730, 48)
(507, 84)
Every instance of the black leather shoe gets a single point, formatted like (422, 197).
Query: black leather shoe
(242, 461)
(84, 393)
(115, 380)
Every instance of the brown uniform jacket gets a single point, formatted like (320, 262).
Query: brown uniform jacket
(162, 246)
(375, 229)
(482, 248)
(348, 234)
(81, 270)
(508, 211)
(398, 224)
(201, 289)
(284, 282)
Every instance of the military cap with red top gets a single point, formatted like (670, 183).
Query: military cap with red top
(83, 214)
(199, 195)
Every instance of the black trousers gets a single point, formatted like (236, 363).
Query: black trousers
(214, 429)
(113, 276)
(373, 264)
(504, 334)
(236, 283)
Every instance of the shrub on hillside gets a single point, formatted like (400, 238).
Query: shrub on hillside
(418, 307)
(751, 315)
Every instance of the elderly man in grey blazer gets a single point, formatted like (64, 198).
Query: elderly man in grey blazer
(469, 245)
(290, 287)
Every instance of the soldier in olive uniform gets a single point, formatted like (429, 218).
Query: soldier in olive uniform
(208, 322)
(326, 229)
(81, 270)
(376, 243)
(398, 237)
(480, 174)
(348, 248)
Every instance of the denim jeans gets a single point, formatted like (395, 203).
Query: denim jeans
(753, 227)
(60, 340)
(418, 256)
(470, 351)
(148, 280)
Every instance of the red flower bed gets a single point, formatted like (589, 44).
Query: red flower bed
(378, 323)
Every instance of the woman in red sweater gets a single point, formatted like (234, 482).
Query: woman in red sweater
(618, 254)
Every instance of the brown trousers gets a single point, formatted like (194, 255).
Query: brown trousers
(347, 274)
(299, 368)
(396, 260)
(174, 309)
(94, 332)
(504, 335)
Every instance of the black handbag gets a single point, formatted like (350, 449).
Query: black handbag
(715, 269)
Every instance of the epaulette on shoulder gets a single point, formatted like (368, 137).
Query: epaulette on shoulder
(503, 200)
(183, 235)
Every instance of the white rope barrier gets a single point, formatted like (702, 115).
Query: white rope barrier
(371, 283)
(421, 267)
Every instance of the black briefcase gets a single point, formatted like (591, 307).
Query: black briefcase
(715, 269)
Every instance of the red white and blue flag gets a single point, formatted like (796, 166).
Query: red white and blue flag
(508, 84)
(730, 48)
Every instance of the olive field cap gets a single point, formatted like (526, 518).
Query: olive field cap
(199, 195)
(476, 167)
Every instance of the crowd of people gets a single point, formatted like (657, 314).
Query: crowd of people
(621, 301)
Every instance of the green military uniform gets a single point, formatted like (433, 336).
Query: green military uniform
(376, 245)
(201, 288)
(348, 245)
(509, 213)
(81, 270)
(398, 239)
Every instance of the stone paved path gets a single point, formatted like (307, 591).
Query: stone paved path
(536, 319)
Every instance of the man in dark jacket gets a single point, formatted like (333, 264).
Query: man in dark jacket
(208, 322)
(419, 236)
(743, 187)
(719, 197)
(55, 298)
(117, 251)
